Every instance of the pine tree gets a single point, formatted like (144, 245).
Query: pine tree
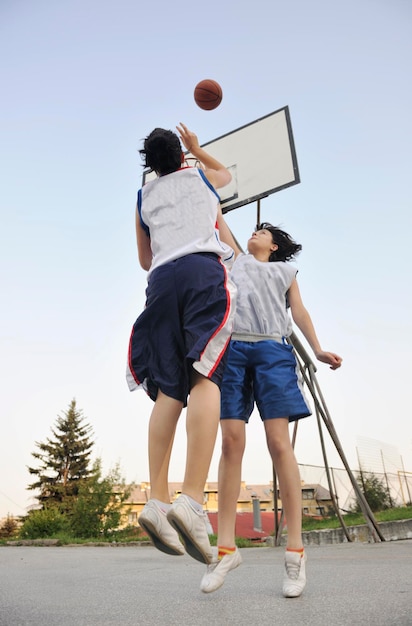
(9, 526)
(64, 460)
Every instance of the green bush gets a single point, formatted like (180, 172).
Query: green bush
(375, 492)
(48, 522)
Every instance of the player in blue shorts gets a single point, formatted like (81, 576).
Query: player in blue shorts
(179, 343)
(262, 369)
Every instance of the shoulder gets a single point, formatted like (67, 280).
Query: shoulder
(285, 268)
(242, 259)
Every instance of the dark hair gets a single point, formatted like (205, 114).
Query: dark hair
(287, 248)
(162, 151)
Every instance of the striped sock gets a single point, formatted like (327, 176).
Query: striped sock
(299, 551)
(222, 551)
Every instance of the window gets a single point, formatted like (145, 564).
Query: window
(308, 494)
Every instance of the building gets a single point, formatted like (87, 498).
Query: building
(316, 501)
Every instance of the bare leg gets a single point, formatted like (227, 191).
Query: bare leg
(230, 470)
(162, 428)
(202, 421)
(284, 460)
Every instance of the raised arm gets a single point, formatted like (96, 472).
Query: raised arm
(225, 234)
(218, 175)
(304, 322)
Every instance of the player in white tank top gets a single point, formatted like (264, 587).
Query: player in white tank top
(261, 368)
(179, 342)
(179, 211)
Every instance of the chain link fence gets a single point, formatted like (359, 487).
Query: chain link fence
(398, 484)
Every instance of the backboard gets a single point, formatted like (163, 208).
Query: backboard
(260, 156)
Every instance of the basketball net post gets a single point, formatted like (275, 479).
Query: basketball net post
(258, 213)
(307, 370)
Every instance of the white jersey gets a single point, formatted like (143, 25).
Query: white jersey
(261, 310)
(179, 213)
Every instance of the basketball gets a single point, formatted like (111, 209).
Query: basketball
(208, 94)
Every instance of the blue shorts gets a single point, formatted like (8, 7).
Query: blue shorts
(265, 372)
(186, 323)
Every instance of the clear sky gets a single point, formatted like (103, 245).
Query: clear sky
(83, 81)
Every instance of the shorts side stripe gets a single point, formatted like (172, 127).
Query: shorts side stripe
(217, 345)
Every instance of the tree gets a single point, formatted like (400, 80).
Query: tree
(375, 492)
(9, 527)
(97, 509)
(64, 460)
(75, 499)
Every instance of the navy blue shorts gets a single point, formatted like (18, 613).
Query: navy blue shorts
(186, 323)
(265, 372)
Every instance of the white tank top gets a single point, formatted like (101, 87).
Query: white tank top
(261, 309)
(179, 212)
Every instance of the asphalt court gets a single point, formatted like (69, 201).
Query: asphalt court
(348, 583)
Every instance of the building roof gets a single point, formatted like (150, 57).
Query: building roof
(140, 492)
(321, 493)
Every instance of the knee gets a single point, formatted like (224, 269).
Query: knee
(278, 446)
(232, 446)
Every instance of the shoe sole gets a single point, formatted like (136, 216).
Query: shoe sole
(150, 530)
(295, 593)
(192, 548)
(292, 595)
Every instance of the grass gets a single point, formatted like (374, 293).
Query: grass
(356, 519)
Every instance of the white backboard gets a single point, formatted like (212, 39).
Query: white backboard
(260, 156)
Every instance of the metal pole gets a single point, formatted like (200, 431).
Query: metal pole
(360, 470)
(386, 480)
(325, 460)
(258, 213)
(406, 481)
(320, 404)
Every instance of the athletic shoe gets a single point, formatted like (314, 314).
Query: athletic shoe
(216, 572)
(154, 522)
(192, 528)
(294, 580)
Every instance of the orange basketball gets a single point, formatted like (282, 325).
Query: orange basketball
(208, 94)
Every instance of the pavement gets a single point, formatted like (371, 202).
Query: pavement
(348, 584)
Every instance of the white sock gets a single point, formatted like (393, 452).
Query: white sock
(197, 507)
(163, 506)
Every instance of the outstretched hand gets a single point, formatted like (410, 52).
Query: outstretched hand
(330, 358)
(216, 173)
(188, 138)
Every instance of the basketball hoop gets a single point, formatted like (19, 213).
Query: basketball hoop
(191, 161)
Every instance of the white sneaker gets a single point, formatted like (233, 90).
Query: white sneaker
(154, 522)
(216, 572)
(294, 579)
(192, 527)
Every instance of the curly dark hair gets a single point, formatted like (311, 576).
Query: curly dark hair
(162, 151)
(287, 247)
